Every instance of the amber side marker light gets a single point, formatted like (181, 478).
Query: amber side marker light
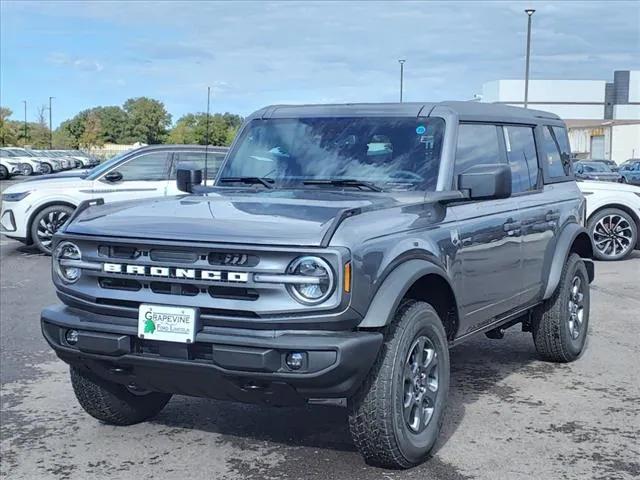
(347, 277)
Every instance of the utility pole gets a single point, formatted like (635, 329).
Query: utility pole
(401, 62)
(529, 13)
(50, 125)
(25, 122)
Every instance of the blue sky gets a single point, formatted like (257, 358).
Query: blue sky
(252, 54)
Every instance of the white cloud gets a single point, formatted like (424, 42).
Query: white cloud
(84, 64)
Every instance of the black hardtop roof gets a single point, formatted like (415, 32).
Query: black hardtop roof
(470, 111)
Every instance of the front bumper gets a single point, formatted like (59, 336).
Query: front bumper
(224, 363)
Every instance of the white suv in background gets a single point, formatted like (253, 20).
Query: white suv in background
(47, 164)
(613, 218)
(28, 165)
(33, 210)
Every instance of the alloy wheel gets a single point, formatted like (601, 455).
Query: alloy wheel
(49, 224)
(420, 384)
(576, 307)
(613, 236)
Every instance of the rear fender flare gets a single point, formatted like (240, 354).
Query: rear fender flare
(570, 234)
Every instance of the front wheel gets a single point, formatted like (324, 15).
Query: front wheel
(46, 168)
(396, 416)
(113, 403)
(560, 327)
(46, 223)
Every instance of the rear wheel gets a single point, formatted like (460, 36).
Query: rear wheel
(614, 233)
(560, 327)
(46, 223)
(4, 173)
(113, 403)
(396, 416)
(27, 169)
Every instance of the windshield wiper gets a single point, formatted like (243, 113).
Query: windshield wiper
(343, 182)
(265, 182)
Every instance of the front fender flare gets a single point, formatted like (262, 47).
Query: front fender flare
(563, 247)
(393, 289)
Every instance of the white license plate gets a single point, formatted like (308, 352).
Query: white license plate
(168, 324)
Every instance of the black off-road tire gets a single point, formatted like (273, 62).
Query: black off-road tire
(551, 324)
(376, 420)
(4, 173)
(113, 403)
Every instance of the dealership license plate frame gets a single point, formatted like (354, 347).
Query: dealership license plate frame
(169, 323)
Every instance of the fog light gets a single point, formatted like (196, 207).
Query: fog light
(295, 360)
(71, 336)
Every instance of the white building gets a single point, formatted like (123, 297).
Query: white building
(603, 117)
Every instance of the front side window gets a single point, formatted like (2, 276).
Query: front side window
(392, 153)
(521, 153)
(556, 151)
(478, 144)
(214, 160)
(150, 167)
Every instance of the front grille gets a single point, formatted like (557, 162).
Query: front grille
(167, 288)
(120, 284)
(217, 279)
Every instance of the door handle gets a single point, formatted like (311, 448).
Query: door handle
(510, 226)
(551, 216)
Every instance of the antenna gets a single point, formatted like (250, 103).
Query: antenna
(206, 146)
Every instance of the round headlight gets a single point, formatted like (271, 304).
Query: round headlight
(321, 280)
(66, 251)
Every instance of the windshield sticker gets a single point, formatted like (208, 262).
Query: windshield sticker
(420, 129)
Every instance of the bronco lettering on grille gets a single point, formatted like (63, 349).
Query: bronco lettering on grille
(174, 272)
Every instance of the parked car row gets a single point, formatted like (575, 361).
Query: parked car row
(33, 210)
(24, 161)
(608, 170)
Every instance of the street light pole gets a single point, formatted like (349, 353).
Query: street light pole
(25, 122)
(529, 13)
(50, 126)
(401, 62)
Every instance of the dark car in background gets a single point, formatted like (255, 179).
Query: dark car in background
(630, 171)
(609, 163)
(595, 171)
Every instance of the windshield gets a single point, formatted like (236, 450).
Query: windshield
(596, 167)
(98, 170)
(394, 153)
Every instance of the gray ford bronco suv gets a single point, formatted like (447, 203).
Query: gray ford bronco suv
(340, 253)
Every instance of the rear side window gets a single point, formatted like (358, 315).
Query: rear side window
(521, 153)
(477, 145)
(214, 160)
(556, 152)
(149, 167)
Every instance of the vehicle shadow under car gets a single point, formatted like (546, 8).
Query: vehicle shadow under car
(478, 368)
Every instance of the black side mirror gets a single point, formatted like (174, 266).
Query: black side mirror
(113, 177)
(187, 176)
(485, 182)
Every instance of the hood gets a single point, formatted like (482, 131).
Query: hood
(281, 217)
(56, 182)
(53, 176)
(590, 186)
(613, 175)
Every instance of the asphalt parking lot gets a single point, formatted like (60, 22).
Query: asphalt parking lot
(510, 416)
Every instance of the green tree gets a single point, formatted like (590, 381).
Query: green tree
(8, 130)
(148, 120)
(192, 128)
(39, 131)
(92, 134)
(114, 123)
